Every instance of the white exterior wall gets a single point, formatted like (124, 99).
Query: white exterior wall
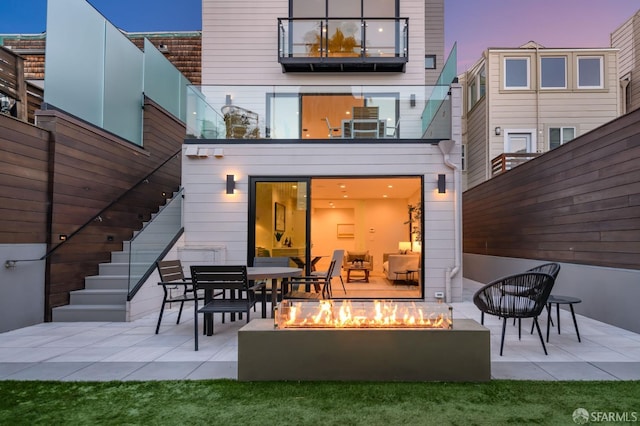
(535, 109)
(627, 39)
(252, 29)
(539, 109)
(213, 218)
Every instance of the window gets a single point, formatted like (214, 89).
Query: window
(473, 96)
(516, 73)
(560, 135)
(553, 73)
(429, 62)
(342, 8)
(477, 87)
(590, 72)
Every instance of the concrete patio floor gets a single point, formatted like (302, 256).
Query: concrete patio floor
(104, 351)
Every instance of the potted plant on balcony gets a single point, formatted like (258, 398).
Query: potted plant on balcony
(338, 44)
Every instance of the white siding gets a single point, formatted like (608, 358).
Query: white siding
(627, 39)
(434, 37)
(214, 218)
(240, 46)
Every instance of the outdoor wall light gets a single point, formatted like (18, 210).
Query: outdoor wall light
(227, 99)
(412, 100)
(442, 184)
(498, 131)
(231, 184)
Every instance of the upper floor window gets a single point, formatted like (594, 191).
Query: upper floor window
(477, 87)
(560, 135)
(553, 72)
(516, 73)
(429, 62)
(343, 8)
(590, 72)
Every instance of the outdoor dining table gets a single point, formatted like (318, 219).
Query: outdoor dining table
(268, 273)
(273, 273)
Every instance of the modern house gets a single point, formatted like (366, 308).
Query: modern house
(627, 38)
(520, 102)
(319, 126)
(316, 129)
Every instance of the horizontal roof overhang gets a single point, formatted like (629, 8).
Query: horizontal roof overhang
(369, 64)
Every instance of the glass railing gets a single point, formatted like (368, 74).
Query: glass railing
(309, 113)
(152, 241)
(342, 38)
(436, 119)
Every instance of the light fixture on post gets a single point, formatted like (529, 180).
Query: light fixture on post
(442, 184)
(231, 184)
(498, 131)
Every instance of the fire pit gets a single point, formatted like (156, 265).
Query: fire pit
(348, 314)
(363, 340)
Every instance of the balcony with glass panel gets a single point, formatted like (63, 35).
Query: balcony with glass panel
(343, 44)
(305, 114)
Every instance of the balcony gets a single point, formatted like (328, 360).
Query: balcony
(343, 44)
(508, 161)
(299, 114)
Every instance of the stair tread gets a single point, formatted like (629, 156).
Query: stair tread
(120, 307)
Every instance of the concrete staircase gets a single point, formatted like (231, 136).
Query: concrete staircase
(104, 297)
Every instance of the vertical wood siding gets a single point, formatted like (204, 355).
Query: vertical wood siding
(79, 173)
(579, 203)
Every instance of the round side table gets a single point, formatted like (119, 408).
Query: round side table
(562, 300)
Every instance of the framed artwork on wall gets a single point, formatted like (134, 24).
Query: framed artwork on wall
(279, 217)
(346, 230)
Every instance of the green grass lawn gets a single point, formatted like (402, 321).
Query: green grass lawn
(228, 402)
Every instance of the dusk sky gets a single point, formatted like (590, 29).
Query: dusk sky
(473, 24)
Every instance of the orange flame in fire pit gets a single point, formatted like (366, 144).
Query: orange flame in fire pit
(369, 314)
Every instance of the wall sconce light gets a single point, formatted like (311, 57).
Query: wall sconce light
(442, 184)
(227, 99)
(498, 131)
(412, 100)
(231, 184)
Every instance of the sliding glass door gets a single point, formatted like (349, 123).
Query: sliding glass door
(279, 219)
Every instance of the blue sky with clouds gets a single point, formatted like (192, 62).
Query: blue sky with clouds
(473, 24)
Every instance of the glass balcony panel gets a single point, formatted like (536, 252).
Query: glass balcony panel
(341, 44)
(311, 113)
(343, 39)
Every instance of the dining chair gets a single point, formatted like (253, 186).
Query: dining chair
(498, 298)
(237, 295)
(338, 257)
(332, 129)
(172, 278)
(321, 285)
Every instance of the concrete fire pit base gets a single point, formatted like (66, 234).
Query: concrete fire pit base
(370, 354)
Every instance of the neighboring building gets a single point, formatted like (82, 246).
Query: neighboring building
(520, 102)
(182, 49)
(627, 38)
(327, 119)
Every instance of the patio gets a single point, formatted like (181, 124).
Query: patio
(104, 351)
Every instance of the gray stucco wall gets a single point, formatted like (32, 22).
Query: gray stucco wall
(22, 286)
(608, 295)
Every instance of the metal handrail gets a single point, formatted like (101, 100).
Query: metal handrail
(11, 263)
